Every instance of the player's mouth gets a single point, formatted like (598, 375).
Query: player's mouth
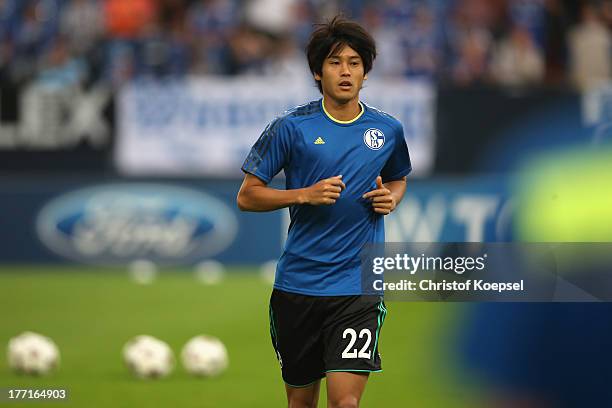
(345, 85)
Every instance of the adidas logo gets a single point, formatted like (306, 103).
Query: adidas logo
(319, 140)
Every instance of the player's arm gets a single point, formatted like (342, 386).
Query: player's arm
(255, 195)
(386, 196)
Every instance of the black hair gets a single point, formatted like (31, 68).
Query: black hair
(329, 38)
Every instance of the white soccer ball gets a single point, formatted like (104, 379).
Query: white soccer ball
(204, 356)
(142, 271)
(148, 357)
(32, 353)
(267, 271)
(209, 272)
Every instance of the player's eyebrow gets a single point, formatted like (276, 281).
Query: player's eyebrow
(339, 57)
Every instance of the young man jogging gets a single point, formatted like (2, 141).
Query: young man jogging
(345, 165)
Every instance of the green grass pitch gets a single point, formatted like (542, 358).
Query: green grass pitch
(90, 313)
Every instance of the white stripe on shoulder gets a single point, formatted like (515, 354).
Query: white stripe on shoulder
(296, 108)
(378, 110)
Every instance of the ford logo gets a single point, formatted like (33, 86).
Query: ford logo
(117, 223)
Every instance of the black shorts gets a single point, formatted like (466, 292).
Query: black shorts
(314, 335)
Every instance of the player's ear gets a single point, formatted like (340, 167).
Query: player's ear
(365, 77)
(317, 77)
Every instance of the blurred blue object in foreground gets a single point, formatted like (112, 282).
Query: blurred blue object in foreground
(558, 354)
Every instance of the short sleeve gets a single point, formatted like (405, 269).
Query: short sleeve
(398, 165)
(270, 153)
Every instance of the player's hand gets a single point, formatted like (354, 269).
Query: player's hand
(324, 192)
(383, 202)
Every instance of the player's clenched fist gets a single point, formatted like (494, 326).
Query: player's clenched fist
(383, 202)
(324, 192)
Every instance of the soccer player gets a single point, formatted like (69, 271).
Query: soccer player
(345, 165)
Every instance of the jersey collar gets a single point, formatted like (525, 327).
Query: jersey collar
(342, 122)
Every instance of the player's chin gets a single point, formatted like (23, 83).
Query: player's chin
(345, 96)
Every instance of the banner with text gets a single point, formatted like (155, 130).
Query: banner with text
(55, 127)
(206, 126)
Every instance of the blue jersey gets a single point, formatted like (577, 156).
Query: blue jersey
(321, 255)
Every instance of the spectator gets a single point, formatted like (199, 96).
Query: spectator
(472, 59)
(272, 16)
(530, 15)
(517, 61)
(8, 17)
(286, 61)
(248, 51)
(210, 24)
(152, 51)
(163, 53)
(422, 44)
(391, 58)
(31, 37)
(179, 53)
(126, 19)
(82, 25)
(36, 28)
(469, 36)
(304, 14)
(590, 47)
(120, 64)
(59, 69)
(171, 12)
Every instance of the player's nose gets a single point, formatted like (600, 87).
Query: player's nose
(345, 70)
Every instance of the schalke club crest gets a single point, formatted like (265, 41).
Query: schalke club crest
(374, 138)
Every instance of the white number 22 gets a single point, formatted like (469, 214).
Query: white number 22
(362, 353)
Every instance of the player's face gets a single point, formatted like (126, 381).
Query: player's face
(342, 75)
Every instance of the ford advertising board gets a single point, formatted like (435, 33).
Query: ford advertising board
(115, 223)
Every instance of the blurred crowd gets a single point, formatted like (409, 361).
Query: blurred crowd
(462, 42)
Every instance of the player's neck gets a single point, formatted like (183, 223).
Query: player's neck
(339, 111)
